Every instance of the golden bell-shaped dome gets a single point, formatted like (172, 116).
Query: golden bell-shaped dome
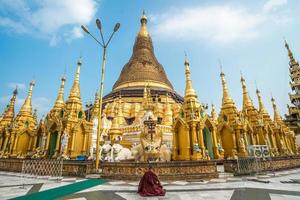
(143, 67)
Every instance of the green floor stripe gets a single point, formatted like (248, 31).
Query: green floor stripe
(62, 191)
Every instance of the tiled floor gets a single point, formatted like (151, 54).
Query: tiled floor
(226, 187)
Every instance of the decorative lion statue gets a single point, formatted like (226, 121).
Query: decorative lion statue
(119, 153)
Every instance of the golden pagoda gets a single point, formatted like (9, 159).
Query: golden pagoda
(194, 132)
(6, 124)
(22, 138)
(231, 124)
(284, 136)
(68, 132)
(293, 116)
(268, 125)
(141, 80)
(54, 123)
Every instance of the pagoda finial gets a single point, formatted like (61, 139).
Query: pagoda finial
(290, 54)
(226, 97)
(26, 108)
(95, 109)
(9, 112)
(246, 99)
(75, 91)
(59, 103)
(260, 102)
(214, 115)
(189, 90)
(143, 29)
(277, 117)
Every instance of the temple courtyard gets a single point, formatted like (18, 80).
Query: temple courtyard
(279, 185)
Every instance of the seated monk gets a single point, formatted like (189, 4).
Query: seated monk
(149, 185)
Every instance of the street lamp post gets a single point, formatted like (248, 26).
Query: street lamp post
(104, 45)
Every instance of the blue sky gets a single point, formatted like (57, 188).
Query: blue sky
(41, 40)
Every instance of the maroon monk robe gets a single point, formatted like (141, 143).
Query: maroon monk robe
(150, 185)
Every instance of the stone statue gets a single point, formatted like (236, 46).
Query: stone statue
(105, 152)
(64, 145)
(119, 153)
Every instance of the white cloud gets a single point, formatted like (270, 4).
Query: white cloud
(272, 5)
(220, 24)
(47, 19)
(75, 33)
(20, 86)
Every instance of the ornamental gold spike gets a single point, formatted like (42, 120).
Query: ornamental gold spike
(189, 90)
(277, 117)
(246, 99)
(26, 108)
(59, 103)
(260, 102)
(226, 97)
(290, 53)
(75, 91)
(143, 30)
(9, 112)
(214, 114)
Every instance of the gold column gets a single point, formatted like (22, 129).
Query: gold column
(48, 141)
(15, 144)
(215, 146)
(72, 143)
(11, 145)
(175, 145)
(245, 138)
(201, 142)
(30, 143)
(84, 143)
(234, 143)
(195, 155)
(34, 142)
(5, 143)
(57, 146)
(252, 138)
(1, 139)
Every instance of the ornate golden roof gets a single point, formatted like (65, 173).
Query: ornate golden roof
(143, 67)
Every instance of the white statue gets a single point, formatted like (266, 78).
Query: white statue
(64, 144)
(105, 152)
(119, 153)
(147, 116)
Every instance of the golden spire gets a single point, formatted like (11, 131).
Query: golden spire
(189, 90)
(59, 103)
(277, 117)
(143, 30)
(226, 98)
(96, 105)
(168, 115)
(75, 91)
(35, 115)
(214, 114)
(260, 103)
(246, 99)
(290, 54)
(9, 112)
(26, 108)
